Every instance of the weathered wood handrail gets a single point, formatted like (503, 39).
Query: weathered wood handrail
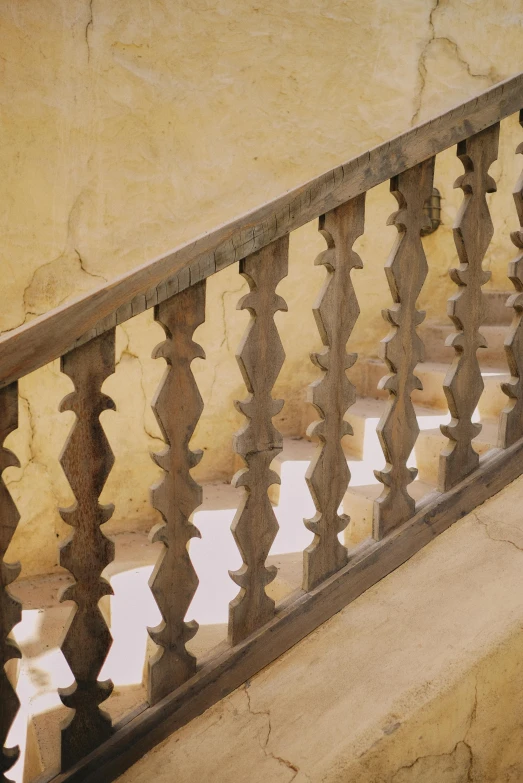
(82, 333)
(49, 336)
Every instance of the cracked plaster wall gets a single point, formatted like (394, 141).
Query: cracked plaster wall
(128, 128)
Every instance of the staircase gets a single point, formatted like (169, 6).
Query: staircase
(382, 446)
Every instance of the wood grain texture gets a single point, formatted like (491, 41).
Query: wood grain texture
(260, 357)
(402, 349)
(473, 231)
(301, 614)
(87, 460)
(51, 335)
(10, 608)
(177, 407)
(336, 312)
(511, 419)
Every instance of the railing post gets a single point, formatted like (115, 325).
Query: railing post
(402, 349)
(177, 407)
(260, 357)
(87, 460)
(336, 312)
(511, 421)
(10, 609)
(473, 231)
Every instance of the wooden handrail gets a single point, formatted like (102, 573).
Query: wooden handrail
(49, 336)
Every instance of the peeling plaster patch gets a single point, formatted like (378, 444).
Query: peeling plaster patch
(55, 282)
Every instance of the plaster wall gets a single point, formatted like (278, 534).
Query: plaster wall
(129, 127)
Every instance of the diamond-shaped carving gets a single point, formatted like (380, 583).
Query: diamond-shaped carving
(177, 407)
(336, 313)
(472, 234)
(260, 358)
(87, 460)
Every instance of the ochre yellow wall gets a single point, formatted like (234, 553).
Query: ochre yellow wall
(129, 127)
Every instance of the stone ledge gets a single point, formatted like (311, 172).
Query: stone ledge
(418, 681)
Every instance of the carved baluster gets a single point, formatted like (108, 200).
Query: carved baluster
(402, 349)
(260, 357)
(336, 312)
(511, 422)
(473, 231)
(10, 609)
(177, 407)
(87, 460)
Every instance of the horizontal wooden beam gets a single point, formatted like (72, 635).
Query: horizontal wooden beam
(301, 615)
(46, 338)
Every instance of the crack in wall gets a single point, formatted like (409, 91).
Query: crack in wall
(82, 267)
(89, 27)
(500, 540)
(454, 750)
(48, 276)
(226, 337)
(472, 718)
(266, 713)
(491, 75)
(474, 710)
(31, 440)
(422, 69)
(464, 742)
(126, 351)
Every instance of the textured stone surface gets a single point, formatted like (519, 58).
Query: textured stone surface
(130, 127)
(419, 680)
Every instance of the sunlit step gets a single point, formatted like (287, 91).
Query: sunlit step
(358, 504)
(431, 442)
(434, 336)
(368, 372)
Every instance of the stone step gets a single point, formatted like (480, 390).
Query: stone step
(434, 336)
(497, 311)
(364, 489)
(430, 443)
(364, 416)
(368, 372)
(358, 503)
